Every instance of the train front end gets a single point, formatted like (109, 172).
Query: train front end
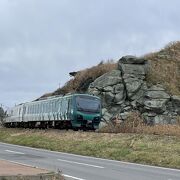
(87, 112)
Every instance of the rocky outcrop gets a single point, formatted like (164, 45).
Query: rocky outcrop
(125, 90)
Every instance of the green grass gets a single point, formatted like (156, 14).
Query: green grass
(146, 149)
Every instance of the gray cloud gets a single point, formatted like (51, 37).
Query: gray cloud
(42, 41)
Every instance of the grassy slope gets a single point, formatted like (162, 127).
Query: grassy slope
(165, 67)
(146, 149)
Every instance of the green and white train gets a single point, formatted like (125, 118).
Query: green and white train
(73, 111)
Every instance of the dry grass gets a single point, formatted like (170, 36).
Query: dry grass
(139, 148)
(83, 78)
(170, 130)
(135, 124)
(165, 67)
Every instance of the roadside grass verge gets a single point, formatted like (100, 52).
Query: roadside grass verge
(140, 148)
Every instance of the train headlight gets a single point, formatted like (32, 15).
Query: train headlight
(79, 117)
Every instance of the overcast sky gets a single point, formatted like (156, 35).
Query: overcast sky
(41, 41)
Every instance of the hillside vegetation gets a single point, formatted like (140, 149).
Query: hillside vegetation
(164, 69)
(83, 78)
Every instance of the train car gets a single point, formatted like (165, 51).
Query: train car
(73, 111)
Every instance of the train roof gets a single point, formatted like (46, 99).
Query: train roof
(59, 96)
(54, 97)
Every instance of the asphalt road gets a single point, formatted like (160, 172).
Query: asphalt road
(84, 167)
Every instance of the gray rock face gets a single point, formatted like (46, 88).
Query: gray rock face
(108, 79)
(132, 60)
(164, 119)
(157, 95)
(155, 105)
(176, 104)
(124, 90)
(156, 99)
(135, 69)
(133, 85)
(119, 98)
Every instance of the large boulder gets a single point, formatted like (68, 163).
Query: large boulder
(109, 87)
(132, 60)
(133, 75)
(164, 119)
(133, 85)
(108, 79)
(125, 90)
(176, 104)
(158, 94)
(156, 99)
(155, 105)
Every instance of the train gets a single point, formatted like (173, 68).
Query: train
(71, 111)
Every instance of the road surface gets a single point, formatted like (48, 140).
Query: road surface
(83, 167)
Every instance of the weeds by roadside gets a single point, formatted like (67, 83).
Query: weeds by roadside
(135, 124)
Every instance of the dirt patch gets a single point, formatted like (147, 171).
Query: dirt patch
(13, 169)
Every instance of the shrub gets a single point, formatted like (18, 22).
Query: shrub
(130, 125)
(135, 124)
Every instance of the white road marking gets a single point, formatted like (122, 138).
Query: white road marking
(73, 177)
(15, 162)
(74, 162)
(90, 157)
(15, 152)
(65, 175)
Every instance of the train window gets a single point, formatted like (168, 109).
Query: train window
(38, 108)
(43, 107)
(31, 109)
(62, 105)
(59, 105)
(50, 106)
(69, 106)
(47, 107)
(53, 106)
(34, 109)
(56, 106)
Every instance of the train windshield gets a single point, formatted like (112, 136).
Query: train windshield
(88, 104)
